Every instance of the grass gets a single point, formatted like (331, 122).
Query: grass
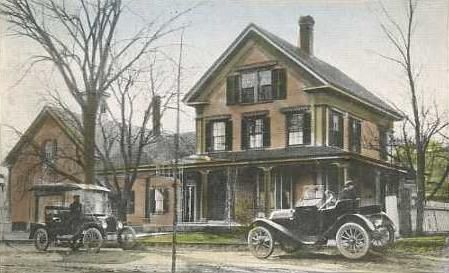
(420, 245)
(198, 238)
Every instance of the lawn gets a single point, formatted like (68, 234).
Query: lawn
(198, 238)
(420, 245)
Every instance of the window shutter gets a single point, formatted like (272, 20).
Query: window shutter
(232, 89)
(331, 129)
(288, 118)
(266, 132)
(340, 131)
(55, 150)
(151, 201)
(228, 132)
(306, 128)
(209, 136)
(165, 202)
(351, 135)
(244, 130)
(279, 78)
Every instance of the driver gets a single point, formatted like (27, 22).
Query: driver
(75, 211)
(348, 191)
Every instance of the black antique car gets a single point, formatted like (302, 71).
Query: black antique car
(89, 231)
(355, 229)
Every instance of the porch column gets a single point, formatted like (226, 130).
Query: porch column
(267, 188)
(204, 174)
(377, 183)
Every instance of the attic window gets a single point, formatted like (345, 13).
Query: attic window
(256, 86)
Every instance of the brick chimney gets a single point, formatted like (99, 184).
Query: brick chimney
(157, 116)
(305, 39)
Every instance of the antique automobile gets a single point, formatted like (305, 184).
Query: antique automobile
(94, 226)
(315, 221)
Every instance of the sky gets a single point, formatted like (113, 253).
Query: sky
(347, 35)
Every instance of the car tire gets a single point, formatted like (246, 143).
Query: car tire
(41, 239)
(92, 240)
(382, 238)
(353, 241)
(127, 238)
(260, 242)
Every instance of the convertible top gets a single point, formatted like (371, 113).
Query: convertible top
(63, 187)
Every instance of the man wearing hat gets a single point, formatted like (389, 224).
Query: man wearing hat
(348, 191)
(75, 211)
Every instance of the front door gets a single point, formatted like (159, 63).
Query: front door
(216, 199)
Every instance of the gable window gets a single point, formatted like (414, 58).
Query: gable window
(256, 86)
(49, 150)
(219, 135)
(255, 132)
(355, 135)
(335, 129)
(298, 127)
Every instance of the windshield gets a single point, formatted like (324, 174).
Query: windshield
(313, 195)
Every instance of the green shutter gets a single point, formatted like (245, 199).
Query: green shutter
(151, 201)
(279, 81)
(244, 131)
(165, 201)
(232, 89)
(266, 132)
(228, 135)
(306, 128)
(209, 136)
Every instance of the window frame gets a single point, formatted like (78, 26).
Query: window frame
(332, 134)
(306, 131)
(265, 131)
(351, 134)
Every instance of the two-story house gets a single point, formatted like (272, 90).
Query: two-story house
(272, 118)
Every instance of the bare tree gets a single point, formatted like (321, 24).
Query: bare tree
(80, 38)
(425, 122)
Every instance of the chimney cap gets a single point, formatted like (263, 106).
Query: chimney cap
(306, 20)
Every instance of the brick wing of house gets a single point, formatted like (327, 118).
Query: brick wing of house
(272, 118)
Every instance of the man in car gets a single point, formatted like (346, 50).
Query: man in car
(75, 211)
(348, 191)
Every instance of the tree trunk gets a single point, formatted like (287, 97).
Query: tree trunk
(89, 125)
(123, 208)
(421, 191)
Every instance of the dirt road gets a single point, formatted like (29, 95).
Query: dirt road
(25, 259)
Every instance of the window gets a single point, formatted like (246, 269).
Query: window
(219, 135)
(282, 189)
(256, 86)
(49, 151)
(298, 127)
(131, 203)
(255, 132)
(158, 200)
(335, 129)
(355, 135)
(383, 143)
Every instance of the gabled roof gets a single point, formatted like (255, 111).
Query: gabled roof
(328, 75)
(160, 151)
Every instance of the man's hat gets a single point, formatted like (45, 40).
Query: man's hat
(349, 182)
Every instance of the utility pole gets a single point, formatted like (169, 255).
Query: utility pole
(176, 169)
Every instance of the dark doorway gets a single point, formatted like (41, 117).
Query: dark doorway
(216, 199)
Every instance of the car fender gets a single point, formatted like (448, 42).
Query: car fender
(387, 219)
(274, 226)
(357, 218)
(34, 227)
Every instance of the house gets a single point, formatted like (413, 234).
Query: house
(48, 152)
(272, 118)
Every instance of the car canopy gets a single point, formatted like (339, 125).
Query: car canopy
(64, 187)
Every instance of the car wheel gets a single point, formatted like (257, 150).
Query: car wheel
(41, 239)
(289, 247)
(260, 242)
(382, 238)
(92, 240)
(127, 238)
(353, 241)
